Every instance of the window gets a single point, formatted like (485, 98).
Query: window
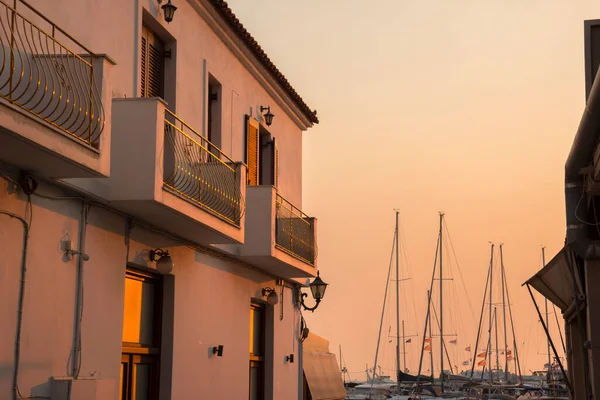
(269, 159)
(252, 151)
(151, 64)
(214, 113)
(140, 357)
(257, 352)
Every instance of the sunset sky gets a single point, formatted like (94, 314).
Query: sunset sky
(466, 107)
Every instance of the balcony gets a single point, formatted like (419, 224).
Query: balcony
(53, 93)
(168, 174)
(279, 238)
(294, 231)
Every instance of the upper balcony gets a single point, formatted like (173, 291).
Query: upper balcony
(168, 174)
(54, 98)
(280, 238)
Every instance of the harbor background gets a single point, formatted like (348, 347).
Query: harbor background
(512, 100)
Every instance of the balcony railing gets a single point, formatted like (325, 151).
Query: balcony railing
(295, 231)
(200, 172)
(45, 77)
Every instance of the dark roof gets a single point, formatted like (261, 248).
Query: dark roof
(223, 9)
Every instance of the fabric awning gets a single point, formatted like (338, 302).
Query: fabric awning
(554, 281)
(323, 376)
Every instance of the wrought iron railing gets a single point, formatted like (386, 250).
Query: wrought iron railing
(200, 172)
(45, 77)
(295, 231)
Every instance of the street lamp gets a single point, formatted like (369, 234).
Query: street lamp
(317, 288)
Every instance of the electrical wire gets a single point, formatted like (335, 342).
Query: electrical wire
(577, 208)
(149, 227)
(459, 270)
(15, 380)
(387, 284)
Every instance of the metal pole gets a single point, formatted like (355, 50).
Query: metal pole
(512, 327)
(504, 316)
(403, 345)
(548, 336)
(496, 329)
(441, 305)
(341, 368)
(487, 282)
(546, 307)
(491, 320)
(397, 302)
(427, 316)
(431, 346)
(387, 284)
(427, 320)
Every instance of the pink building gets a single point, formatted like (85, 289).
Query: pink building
(150, 203)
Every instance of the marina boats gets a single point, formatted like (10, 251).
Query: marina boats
(500, 374)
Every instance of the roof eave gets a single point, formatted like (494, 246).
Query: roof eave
(225, 24)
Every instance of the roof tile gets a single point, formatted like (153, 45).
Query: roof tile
(223, 8)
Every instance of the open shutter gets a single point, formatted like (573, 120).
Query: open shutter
(152, 64)
(252, 150)
(143, 62)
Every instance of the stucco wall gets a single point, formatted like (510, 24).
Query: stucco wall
(197, 52)
(211, 306)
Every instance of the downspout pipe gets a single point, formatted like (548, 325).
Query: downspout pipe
(580, 157)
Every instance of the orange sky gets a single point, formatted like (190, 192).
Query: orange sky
(466, 107)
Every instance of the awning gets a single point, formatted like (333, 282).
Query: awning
(323, 376)
(554, 281)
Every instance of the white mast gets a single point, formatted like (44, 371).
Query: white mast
(441, 304)
(397, 303)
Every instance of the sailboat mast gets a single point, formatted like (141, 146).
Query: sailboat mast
(441, 304)
(403, 345)
(491, 316)
(341, 367)
(430, 338)
(504, 316)
(479, 327)
(496, 329)
(397, 302)
(546, 305)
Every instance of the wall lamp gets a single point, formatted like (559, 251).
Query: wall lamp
(69, 252)
(164, 263)
(317, 287)
(168, 10)
(218, 350)
(290, 358)
(272, 297)
(268, 116)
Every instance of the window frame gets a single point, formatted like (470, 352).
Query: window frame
(133, 353)
(256, 359)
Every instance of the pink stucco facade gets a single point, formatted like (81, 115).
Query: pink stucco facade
(113, 197)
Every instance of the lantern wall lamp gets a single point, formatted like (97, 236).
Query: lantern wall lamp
(272, 297)
(164, 263)
(317, 288)
(168, 10)
(268, 116)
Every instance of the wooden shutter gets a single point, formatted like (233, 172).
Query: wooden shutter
(252, 150)
(151, 64)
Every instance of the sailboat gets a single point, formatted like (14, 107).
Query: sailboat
(378, 382)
